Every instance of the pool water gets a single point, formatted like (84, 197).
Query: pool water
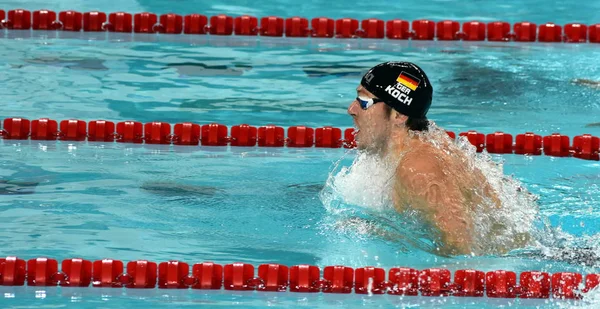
(258, 205)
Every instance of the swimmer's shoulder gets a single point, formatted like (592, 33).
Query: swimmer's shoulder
(421, 161)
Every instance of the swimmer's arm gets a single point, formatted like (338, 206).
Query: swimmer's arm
(442, 204)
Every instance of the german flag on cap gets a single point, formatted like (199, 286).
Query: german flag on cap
(408, 80)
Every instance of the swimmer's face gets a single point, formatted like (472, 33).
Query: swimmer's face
(373, 123)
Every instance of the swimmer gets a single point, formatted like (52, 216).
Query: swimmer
(431, 178)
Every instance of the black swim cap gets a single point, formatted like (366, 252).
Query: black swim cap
(402, 85)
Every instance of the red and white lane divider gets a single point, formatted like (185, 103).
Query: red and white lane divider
(584, 146)
(144, 274)
(320, 27)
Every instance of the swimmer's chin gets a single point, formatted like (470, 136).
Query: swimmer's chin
(362, 147)
(359, 144)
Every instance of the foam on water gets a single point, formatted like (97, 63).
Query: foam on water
(365, 183)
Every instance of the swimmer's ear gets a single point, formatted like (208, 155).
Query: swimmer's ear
(398, 118)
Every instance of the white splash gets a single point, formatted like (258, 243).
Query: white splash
(366, 183)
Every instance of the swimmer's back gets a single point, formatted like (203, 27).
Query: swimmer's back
(446, 190)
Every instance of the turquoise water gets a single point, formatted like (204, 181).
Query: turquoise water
(93, 200)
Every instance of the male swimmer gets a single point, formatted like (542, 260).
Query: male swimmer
(431, 176)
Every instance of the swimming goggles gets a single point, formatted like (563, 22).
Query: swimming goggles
(367, 102)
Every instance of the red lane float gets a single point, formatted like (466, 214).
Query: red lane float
(576, 33)
(403, 281)
(221, 25)
(140, 275)
(346, 28)
(207, 276)
(169, 23)
(499, 142)
(300, 136)
(271, 26)
(594, 33)
(328, 137)
(322, 27)
(72, 130)
(271, 136)
(16, 128)
(144, 22)
(372, 29)
(130, 132)
(349, 141)
(556, 145)
(186, 134)
(304, 278)
(76, 273)
(106, 273)
(473, 31)
(423, 30)
(469, 283)
(550, 32)
(44, 129)
(43, 20)
(296, 27)
(94, 21)
(528, 144)
(501, 284)
(273, 278)
(69, 21)
(17, 20)
(447, 30)
(339, 279)
(498, 31)
(173, 275)
(369, 280)
(564, 285)
(119, 22)
(525, 32)
(238, 276)
(157, 133)
(398, 29)
(434, 282)
(584, 146)
(101, 131)
(40, 271)
(475, 138)
(534, 284)
(245, 25)
(195, 24)
(243, 135)
(214, 134)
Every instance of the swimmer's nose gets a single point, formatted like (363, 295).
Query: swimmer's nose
(353, 108)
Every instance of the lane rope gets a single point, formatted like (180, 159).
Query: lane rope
(297, 27)
(584, 146)
(145, 274)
